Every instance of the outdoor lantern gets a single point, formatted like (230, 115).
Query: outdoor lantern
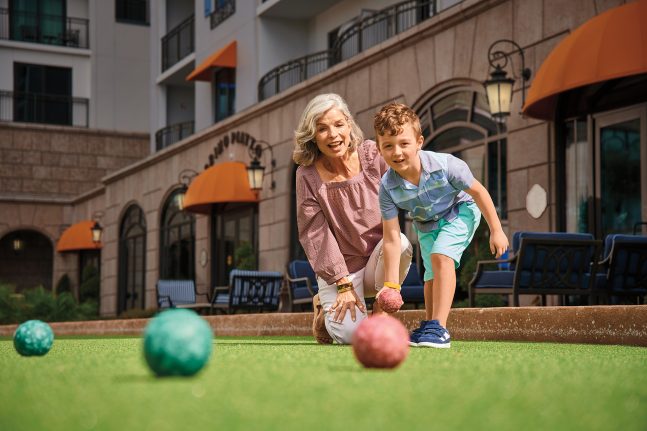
(179, 198)
(97, 230)
(255, 172)
(499, 93)
(18, 244)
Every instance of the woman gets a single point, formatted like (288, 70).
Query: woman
(338, 216)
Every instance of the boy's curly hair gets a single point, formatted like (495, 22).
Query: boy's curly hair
(392, 117)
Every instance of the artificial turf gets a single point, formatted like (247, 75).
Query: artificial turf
(290, 383)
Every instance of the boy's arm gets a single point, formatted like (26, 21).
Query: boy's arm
(391, 249)
(498, 240)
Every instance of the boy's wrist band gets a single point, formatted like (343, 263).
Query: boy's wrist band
(392, 285)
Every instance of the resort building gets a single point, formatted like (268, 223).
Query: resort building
(142, 118)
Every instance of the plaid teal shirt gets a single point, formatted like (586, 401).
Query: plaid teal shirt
(437, 196)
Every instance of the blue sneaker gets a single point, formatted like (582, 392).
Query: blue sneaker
(434, 335)
(414, 338)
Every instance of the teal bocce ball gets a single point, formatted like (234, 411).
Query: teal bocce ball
(33, 338)
(177, 342)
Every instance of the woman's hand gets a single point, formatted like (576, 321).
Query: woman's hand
(498, 243)
(346, 301)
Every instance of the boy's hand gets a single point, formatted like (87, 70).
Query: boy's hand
(498, 243)
(346, 301)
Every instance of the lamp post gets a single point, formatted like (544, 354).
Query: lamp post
(184, 178)
(256, 171)
(97, 229)
(498, 88)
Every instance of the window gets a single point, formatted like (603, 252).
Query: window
(132, 11)
(177, 241)
(458, 121)
(224, 84)
(132, 260)
(41, 21)
(42, 94)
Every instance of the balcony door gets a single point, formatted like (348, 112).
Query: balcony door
(621, 166)
(41, 21)
(42, 94)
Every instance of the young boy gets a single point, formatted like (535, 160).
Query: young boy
(445, 202)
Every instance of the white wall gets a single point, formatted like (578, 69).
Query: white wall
(241, 27)
(120, 71)
(337, 15)
(176, 12)
(179, 105)
(78, 9)
(279, 41)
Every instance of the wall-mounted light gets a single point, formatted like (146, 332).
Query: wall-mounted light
(97, 229)
(499, 87)
(18, 244)
(184, 179)
(256, 171)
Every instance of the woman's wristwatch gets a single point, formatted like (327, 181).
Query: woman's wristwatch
(344, 287)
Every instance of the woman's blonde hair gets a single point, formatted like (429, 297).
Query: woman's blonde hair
(305, 149)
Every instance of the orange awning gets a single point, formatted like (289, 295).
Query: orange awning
(78, 237)
(611, 45)
(225, 57)
(221, 183)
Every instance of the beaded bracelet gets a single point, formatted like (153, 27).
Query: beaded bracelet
(392, 285)
(345, 287)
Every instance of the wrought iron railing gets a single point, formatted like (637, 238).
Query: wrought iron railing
(293, 72)
(360, 36)
(178, 43)
(172, 134)
(46, 29)
(44, 109)
(223, 10)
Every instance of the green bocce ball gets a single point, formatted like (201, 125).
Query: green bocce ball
(33, 338)
(177, 342)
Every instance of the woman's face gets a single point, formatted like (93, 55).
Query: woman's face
(332, 133)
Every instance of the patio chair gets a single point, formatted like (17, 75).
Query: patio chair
(178, 294)
(545, 263)
(623, 270)
(413, 289)
(252, 291)
(302, 283)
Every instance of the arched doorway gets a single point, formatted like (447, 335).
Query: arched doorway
(132, 260)
(456, 119)
(26, 259)
(177, 241)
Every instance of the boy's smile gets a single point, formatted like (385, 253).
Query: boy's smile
(401, 152)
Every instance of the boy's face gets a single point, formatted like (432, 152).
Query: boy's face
(401, 151)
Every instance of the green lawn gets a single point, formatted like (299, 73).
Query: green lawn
(290, 383)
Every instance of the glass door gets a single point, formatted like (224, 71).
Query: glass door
(621, 166)
(234, 241)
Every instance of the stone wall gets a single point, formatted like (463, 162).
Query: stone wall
(52, 161)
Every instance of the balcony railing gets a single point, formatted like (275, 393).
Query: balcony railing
(46, 29)
(178, 43)
(44, 109)
(360, 36)
(224, 9)
(172, 134)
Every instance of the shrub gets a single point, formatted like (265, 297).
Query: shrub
(64, 284)
(244, 257)
(90, 284)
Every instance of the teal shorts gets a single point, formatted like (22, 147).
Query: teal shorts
(449, 238)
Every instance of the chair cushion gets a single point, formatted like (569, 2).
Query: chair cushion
(491, 279)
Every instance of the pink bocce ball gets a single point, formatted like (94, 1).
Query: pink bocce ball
(381, 342)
